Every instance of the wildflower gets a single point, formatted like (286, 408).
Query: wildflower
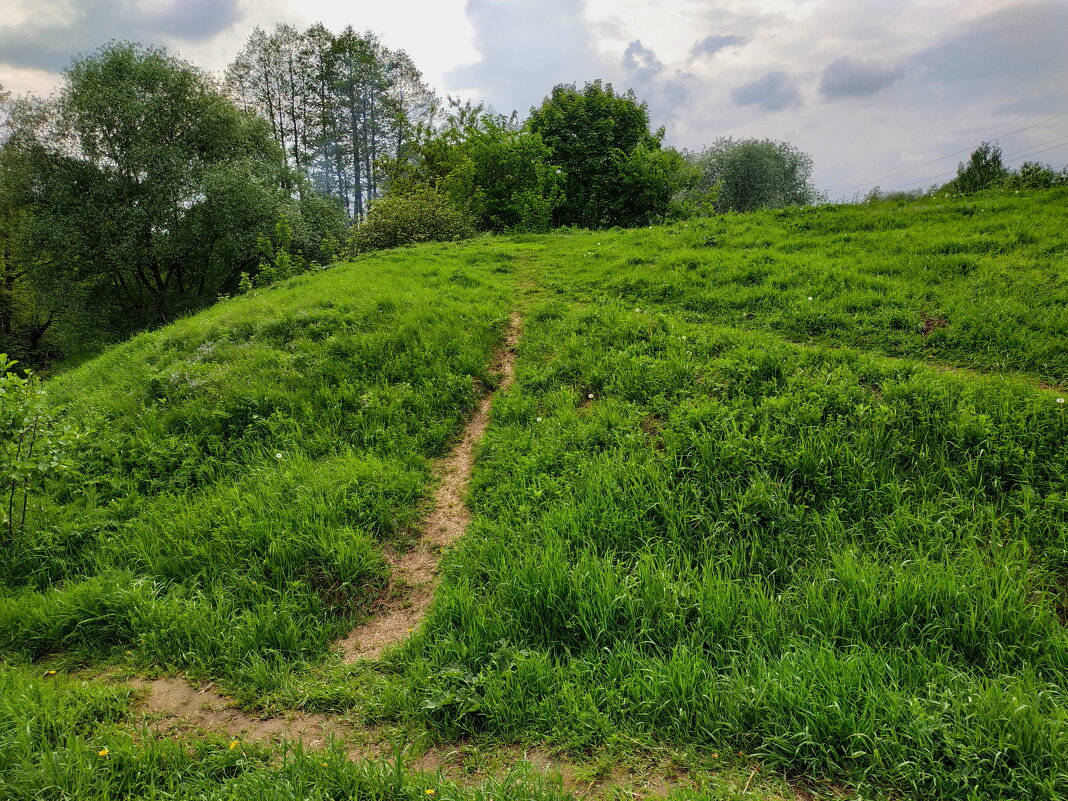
(684, 338)
(431, 792)
(637, 310)
(810, 297)
(324, 765)
(409, 631)
(1060, 400)
(103, 752)
(51, 673)
(233, 745)
(590, 396)
(279, 456)
(537, 419)
(715, 755)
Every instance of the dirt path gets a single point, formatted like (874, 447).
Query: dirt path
(173, 707)
(413, 575)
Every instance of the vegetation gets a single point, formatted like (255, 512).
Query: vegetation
(778, 487)
(489, 167)
(615, 172)
(341, 106)
(750, 174)
(244, 468)
(142, 195)
(424, 215)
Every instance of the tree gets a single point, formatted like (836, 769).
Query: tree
(29, 305)
(1035, 175)
(488, 166)
(339, 105)
(615, 171)
(982, 170)
(155, 186)
(749, 174)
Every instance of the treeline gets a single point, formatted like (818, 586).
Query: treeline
(145, 188)
(342, 107)
(984, 171)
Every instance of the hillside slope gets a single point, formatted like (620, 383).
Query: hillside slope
(779, 494)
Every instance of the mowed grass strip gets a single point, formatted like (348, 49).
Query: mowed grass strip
(243, 468)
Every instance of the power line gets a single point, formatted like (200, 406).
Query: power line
(1040, 144)
(953, 172)
(948, 155)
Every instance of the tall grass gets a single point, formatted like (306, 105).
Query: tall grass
(244, 468)
(711, 512)
(842, 565)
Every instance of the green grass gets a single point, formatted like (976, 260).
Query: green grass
(984, 276)
(244, 468)
(830, 535)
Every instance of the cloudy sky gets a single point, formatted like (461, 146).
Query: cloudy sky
(868, 87)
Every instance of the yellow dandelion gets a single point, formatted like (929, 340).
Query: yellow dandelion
(103, 752)
(324, 765)
(430, 792)
(233, 745)
(51, 673)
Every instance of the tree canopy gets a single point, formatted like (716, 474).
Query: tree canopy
(615, 170)
(749, 174)
(151, 189)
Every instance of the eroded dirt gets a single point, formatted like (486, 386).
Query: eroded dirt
(174, 706)
(413, 575)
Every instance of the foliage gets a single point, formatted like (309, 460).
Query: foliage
(1033, 175)
(615, 172)
(982, 171)
(424, 215)
(339, 105)
(499, 173)
(751, 174)
(33, 444)
(249, 464)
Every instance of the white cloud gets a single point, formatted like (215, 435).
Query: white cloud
(923, 77)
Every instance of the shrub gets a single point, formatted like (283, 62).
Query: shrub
(983, 170)
(750, 174)
(421, 216)
(33, 444)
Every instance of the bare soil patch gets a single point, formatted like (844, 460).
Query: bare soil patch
(174, 706)
(413, 575)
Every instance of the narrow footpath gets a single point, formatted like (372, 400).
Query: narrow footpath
(413, 574)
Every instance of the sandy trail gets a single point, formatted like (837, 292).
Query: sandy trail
(413, 575)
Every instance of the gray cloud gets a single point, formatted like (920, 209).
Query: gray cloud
(527, 47)
(773, 91)
(852, 78)
(47, 41)
(1018, 51)
(641, 61)
(711, 45)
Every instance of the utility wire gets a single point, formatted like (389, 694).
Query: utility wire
(952, 172)
(949, 155)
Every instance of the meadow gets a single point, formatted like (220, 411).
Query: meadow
(784, 489)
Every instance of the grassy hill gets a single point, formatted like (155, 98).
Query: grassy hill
(785, 491)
